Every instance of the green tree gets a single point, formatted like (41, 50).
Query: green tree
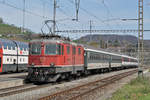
(116, 43)
(1, 21)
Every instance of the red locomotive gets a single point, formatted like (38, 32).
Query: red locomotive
(55, 58)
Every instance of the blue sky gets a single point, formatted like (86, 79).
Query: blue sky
(99, 11)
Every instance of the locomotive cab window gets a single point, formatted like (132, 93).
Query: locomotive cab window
(35, 48)
(50, 49)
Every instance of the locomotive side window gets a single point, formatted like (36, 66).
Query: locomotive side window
(35, 48)
(50, 49)
(74, 50)
(62, 50)
(79, 51)
(59, 49)
(68, 49)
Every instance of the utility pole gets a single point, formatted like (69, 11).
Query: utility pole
(54, 17)
(140, 35)
(23, 26)
(90, 30)
(77, 4)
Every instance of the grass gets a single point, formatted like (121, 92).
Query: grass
(138, 89)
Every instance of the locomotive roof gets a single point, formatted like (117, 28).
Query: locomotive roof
(55, 41)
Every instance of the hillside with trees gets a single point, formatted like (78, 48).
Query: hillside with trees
(14, 32)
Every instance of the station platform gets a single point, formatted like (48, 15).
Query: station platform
(7, 81)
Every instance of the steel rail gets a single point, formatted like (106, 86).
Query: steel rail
(15, 90)
(71, 94)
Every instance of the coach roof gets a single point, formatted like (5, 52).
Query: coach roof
(13, 43)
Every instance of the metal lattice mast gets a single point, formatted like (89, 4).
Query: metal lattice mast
(54, 17)
(77, 4)
(140, 33)
(23, 22)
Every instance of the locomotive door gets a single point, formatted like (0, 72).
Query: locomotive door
(68, 55)
(0, 63)
(73, 57)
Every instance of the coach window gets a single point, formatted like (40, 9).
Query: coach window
(13, 47)
(5, 46)
(62, 47)
(21, 48)
(9, 47)
(68, 49)
(7, 59)
(79, 51)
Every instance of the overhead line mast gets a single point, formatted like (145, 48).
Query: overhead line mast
(77, 3)
(54, 17)
(140, 35)
(23, 22)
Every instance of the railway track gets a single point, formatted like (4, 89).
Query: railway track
(81, 91)
(16, 90)
(20, 89)
(67, 94)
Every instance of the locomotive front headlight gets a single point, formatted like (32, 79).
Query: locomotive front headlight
(52, 64)
(32, 64)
